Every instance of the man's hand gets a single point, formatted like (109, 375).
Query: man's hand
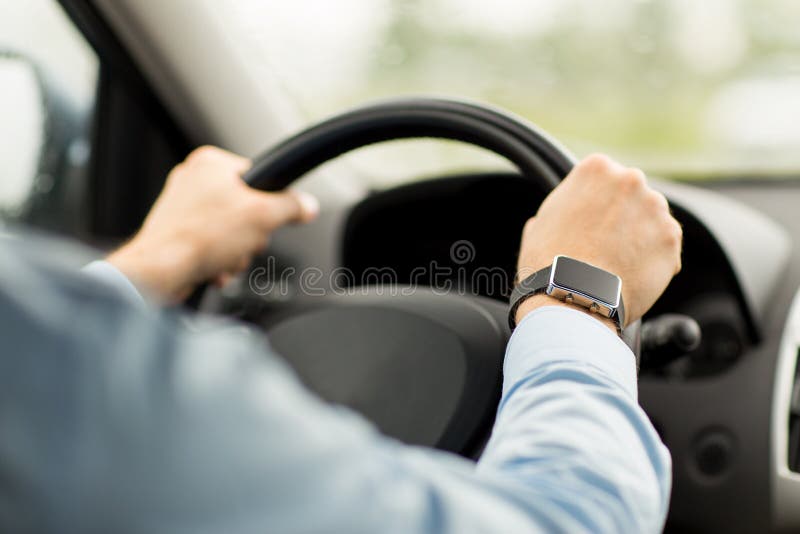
(207, 224)
(606, 215)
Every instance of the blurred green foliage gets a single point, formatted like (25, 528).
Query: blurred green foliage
(644, 80)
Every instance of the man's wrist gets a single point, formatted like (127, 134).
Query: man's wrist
(162, 269)
(538, 301)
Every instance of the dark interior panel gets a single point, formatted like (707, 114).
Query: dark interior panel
(451, 229)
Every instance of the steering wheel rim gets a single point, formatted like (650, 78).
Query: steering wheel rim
(537, 156)
(534, 153)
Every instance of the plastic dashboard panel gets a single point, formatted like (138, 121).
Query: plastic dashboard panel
(756, 246)
(416, 224)
(718, 426)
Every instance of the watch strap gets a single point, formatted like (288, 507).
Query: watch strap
(526, 288)
(620, 315)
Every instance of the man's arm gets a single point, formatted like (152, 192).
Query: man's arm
(206, 225)
(206, 433)
(147, 427)
(107, 274)
(569, 428)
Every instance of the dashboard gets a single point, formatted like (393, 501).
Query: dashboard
(464, 232)
(725, 409)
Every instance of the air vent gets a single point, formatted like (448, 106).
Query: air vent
(794, 423)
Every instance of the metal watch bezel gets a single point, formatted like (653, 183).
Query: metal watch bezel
(581, 297)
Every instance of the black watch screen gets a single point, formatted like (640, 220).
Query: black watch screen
(596, 283)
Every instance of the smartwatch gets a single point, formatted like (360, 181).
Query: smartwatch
(574, 282)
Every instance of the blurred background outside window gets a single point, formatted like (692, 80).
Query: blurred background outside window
(684, 88)
(48, 77)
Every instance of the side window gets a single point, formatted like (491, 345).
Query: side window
(48, 83)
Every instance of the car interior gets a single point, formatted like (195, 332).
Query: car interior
(427, 167)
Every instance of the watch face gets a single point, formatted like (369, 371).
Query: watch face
(582, 278)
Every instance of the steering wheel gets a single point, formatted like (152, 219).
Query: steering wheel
(424, 365)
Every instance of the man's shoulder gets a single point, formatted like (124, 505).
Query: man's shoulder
(36, 265)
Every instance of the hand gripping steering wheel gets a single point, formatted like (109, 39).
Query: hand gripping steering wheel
(424, 366)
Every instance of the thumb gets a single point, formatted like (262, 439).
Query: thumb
(290, 206)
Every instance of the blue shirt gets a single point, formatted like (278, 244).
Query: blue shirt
(119, 420)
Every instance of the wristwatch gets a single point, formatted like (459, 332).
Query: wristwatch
(574, 282)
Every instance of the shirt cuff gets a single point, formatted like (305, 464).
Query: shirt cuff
(109, 275)
(559, 334)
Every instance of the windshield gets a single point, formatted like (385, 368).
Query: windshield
(695, 89)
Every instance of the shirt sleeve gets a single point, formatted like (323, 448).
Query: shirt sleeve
(148, 427)
(104, 272)
(569, 426)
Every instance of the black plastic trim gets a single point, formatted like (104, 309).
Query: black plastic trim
(535, 154)
(117, 63)
(128, 113)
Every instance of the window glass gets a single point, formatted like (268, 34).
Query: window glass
(48, 76)
(680, 87)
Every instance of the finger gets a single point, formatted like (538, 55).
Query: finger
(218, 156)
(289, 207)
(598, 164)
(636, 174)
(224, 278)
(657, 202)
(239, 163)
(243, 264)
(528, 225)
(221, 280)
